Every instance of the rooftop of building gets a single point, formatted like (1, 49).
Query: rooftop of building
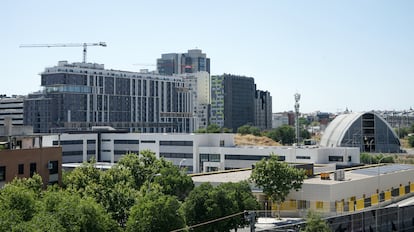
(356, 173)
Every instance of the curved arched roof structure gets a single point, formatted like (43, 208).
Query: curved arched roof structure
(369, 131)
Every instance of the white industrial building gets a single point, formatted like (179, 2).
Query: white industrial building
(197, 152)
(339, 192)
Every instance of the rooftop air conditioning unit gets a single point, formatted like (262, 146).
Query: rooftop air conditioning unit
(339, 175)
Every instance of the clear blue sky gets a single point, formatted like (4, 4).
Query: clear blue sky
(337, 54)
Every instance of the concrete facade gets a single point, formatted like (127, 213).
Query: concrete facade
(199, 152)
(82, 95)
(12, 108)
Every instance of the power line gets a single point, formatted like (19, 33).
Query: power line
(208, 222)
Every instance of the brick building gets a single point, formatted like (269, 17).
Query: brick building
(24, 163)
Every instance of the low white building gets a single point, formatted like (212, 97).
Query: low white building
(197, 152)
(357, 189)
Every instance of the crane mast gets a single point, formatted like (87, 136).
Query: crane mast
(84, 45)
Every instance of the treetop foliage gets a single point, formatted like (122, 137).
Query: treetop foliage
(277, 178)
(139, 193)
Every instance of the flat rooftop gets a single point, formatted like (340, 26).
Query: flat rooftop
(350, 175)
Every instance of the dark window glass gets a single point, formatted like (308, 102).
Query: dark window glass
(336, 158)
(176, 143)
(302, 157)
(21, 169)
(70, 153)
(68, 142)
(126, 141)
(32, 169)
(176, 155)
(53, 167)
(2, 173)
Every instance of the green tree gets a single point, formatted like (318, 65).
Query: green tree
(366, 158)
(284, 134)
(75, 213)
(402, 131)
(304, 122)
(201, 131)
(247, 129)
(155, 212)
(304, 134)
(34, 183)
(42, 222)
(142, 166)
(116, 192)
(411, 141)
(213, 128)
(242, 195)
(244, 130)
(17, 201)
(277, 178)
(84, 179)
(173, 181)
(207, 203)
(199, 207)
(314, 222)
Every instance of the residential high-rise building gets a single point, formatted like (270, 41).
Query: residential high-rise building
(178, 63)
(82, 95)
(199, 86)
(11, 107)
(236, 102)
(263, 110)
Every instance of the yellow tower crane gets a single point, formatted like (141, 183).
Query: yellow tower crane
(84, 45)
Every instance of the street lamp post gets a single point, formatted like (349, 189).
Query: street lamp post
(379, 198)
(150, 180)
(181, 162)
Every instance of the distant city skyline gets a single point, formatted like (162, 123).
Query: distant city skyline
(355, 54)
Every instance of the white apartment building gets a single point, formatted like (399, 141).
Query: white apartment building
(12, 107)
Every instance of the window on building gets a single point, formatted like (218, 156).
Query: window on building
(53, 167)
(21, 169)
(303, 157)
(221, 143)
(319, 205)
(2, 173)
(336, 158)
(32, 169)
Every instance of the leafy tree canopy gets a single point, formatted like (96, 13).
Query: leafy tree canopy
(248, 129)
(284, 134)
(155, 212)
(277, 178)
(206, 203)
(314, 222)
